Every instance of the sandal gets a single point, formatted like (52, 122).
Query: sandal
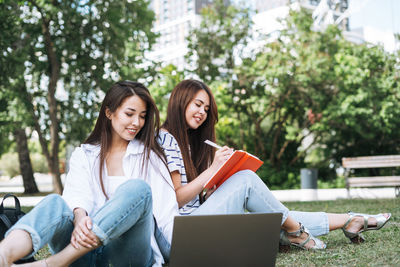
(356, 237)
(284, 240)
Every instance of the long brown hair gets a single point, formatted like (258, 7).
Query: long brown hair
(197, 156)
(102, 132)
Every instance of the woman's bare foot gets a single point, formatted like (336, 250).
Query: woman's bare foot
(303, 239)
(300, 239)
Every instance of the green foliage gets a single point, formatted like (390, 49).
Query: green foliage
(363, 118)
(221, 36)
(57, 59)
(162, 85)
(39, 163)
(307, 99)
(95, 43)
(9, 163)
(280, 94)
(336, 182)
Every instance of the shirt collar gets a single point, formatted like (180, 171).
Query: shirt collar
(135, 146)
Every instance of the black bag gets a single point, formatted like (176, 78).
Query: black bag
(8, 217)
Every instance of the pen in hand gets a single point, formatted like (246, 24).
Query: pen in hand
(226, 154)
(208, 142)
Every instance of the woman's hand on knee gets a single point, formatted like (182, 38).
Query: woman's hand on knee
(82, 235)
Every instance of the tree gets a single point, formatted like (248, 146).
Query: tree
(74, 50)
(280, 93)
(364, 117)
(313, 97)
(12, 121)
(25, 164)
(219, 41)
(217, 46)
(161, 86)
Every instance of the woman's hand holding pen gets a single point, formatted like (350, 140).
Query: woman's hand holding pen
(221, 156)
(82, 234)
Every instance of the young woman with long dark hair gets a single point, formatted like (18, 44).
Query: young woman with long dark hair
(105, 215)
(191, 117)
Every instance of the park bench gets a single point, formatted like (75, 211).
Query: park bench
(372, 181)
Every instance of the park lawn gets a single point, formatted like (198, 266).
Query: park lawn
(382, 248)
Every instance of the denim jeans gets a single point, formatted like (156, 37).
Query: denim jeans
(245, 191)
(124, 225)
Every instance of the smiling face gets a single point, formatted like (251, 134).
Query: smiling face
(128, 119)
(197, 109)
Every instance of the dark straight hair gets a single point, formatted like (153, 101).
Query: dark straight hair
(102, 132)
(197, 156)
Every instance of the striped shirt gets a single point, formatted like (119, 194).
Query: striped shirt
(175, 163)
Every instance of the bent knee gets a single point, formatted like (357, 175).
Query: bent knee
(247, 177)
(135, 187)
(248, 173)
(53, 198)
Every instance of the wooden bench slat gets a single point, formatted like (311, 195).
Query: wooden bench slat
(374, 185)
(385, 157)
(375, 178)
(371, 162)
(374, 181)
(370, 165)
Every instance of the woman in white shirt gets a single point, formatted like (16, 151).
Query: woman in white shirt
(105, 215)
(191, 116)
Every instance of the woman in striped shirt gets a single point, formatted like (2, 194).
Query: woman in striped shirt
(191, 117)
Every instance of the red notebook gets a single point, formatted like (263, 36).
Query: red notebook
(238, 161)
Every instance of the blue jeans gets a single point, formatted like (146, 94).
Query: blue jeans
(245, 191)
(124, 225)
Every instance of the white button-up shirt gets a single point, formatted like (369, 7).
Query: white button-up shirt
(82, 187)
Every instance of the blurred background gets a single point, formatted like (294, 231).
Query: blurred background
(300, 84)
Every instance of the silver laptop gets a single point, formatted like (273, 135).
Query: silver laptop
(233, 240)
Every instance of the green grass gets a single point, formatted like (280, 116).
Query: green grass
(382, 248)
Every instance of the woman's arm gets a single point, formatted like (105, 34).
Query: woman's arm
(78, 189)
(185, 193)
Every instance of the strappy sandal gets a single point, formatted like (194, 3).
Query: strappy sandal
(356, 237)
(284, 240)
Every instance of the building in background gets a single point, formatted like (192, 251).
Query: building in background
(175, 18)
(324, 12)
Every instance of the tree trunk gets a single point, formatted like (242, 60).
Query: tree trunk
(25, 164)
(54, 75)
(55, 174)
